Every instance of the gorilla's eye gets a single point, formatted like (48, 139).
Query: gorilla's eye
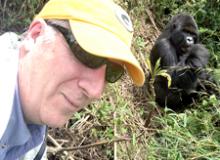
(189, 40)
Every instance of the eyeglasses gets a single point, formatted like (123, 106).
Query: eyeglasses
(114, 71)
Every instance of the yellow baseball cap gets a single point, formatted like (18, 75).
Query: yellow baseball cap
(101, 27)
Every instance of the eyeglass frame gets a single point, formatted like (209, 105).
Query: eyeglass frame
(71, 41)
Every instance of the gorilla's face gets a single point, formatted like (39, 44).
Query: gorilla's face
(184, 34)
(183, 40)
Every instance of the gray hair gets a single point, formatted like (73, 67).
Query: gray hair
(53, 22)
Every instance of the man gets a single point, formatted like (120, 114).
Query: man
(70, 51)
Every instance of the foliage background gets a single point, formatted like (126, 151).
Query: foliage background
(126, 123)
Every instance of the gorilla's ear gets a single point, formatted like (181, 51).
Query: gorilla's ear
(173, 27)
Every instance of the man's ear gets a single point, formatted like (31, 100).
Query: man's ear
(36, 28)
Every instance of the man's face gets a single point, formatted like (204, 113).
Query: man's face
(53, 83)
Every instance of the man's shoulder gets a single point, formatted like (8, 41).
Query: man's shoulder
(9, 47)
(9, 40)
(8, 76)
(9, 36)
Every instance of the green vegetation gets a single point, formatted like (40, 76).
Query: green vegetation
(127, 121)
(15, 16)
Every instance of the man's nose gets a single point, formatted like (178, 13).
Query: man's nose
(93, 82)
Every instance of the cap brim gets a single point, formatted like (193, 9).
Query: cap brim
(100, 42)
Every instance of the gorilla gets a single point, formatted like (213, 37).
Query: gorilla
(183, 57)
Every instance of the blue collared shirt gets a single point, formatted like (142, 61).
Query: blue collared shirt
(19, 137)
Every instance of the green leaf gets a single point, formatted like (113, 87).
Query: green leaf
(167, 76)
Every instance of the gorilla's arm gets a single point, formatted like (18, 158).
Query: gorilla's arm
(195, 60)
(164, 50)
(198, 56)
